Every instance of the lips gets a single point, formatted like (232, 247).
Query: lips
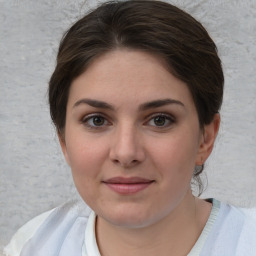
(127, 186)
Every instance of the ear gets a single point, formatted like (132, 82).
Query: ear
(62, 141)
(207, 139)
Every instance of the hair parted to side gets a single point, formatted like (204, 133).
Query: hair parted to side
(155, 27)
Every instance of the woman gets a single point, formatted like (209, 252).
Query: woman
(135, 98)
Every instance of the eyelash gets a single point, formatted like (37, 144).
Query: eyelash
(85, 120)
(167, 117)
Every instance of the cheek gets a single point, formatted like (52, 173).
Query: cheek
(175, 155)
(86, 155)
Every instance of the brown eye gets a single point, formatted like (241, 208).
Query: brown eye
(160, 120)
(98, 120)
(95, 121)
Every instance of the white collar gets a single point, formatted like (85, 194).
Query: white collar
(90, 247)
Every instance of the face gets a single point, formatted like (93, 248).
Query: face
(132, 138)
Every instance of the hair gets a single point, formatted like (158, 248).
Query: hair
(155, 27)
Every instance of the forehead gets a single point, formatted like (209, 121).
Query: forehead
(128, 75)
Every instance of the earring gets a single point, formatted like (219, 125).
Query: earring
(198, 169)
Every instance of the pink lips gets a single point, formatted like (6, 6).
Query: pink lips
(127, 186)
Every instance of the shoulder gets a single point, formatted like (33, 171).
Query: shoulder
(24, 234)
(237, 217)
(55, 223)
(242, 223)
(233, 233)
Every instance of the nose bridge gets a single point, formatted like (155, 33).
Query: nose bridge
(127, 148)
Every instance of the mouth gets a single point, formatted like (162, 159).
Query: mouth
(126, 186)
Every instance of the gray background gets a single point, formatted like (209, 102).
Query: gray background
(33, 174)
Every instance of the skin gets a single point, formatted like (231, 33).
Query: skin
(125, 136)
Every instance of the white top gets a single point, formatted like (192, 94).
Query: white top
(70, 230)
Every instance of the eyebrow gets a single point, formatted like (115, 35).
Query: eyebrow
(142, 107)
(159, 103)
(94, 103)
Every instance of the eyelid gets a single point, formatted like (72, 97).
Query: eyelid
(89, 115)
(168, 116)
(84, 120)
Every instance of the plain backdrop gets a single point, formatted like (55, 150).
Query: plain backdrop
(33, 173)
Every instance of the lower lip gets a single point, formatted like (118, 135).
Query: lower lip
(126, 189)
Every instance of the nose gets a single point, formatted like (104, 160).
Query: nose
(126, 148)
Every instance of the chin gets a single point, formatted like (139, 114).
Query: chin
(129, 217)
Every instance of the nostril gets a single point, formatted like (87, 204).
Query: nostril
(125, 164)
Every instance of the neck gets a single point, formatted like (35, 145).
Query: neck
(175, 234)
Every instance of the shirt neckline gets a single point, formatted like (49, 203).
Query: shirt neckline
(197, 248)
(90, 247)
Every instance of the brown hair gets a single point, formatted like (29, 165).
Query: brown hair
(152, 26)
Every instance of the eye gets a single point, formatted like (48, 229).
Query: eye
(95, 121)
(161, 120)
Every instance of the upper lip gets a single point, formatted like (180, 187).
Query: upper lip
(124, 180)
